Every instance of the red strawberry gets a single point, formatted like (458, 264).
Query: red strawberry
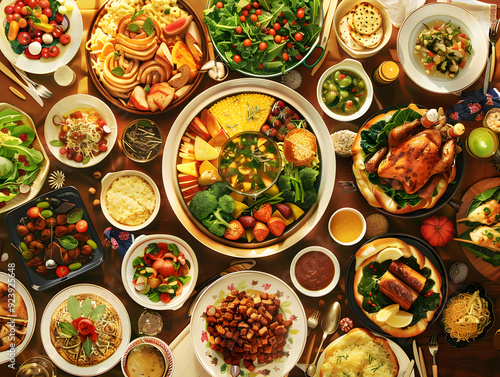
(264, 213)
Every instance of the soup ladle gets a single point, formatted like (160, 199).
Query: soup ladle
(329, 325)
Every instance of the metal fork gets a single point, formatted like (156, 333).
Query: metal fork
(433, 348)
(313, 320)
(41, 90)
(493, 34)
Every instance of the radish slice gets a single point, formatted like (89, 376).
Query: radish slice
(65, 23)
(106, 129)
(178, 26)
(211, 310)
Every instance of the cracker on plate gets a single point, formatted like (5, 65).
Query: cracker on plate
(367, 19)
(345, 34)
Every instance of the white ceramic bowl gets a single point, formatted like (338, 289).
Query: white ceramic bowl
(106, 184)
(336, 272)
(136, 249)
(344, 7)
(353, 66)
(155, 342)
(360, 237)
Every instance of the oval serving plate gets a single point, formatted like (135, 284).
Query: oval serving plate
(326, 177)
(37, 184)
(458, 16)
(469, 288)
(44, 66)
(426, 250)
(197, 28)
(450, 190)
(73, 103)
(59, 298)
(30, 307)
(252, 282)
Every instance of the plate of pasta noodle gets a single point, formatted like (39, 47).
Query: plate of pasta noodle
(144, 56)
(467, 316)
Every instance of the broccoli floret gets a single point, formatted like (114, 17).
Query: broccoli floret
(202, 204)
(284, 183)
(219, 189)
(310, 197)
(288, 196)
(308, 177)
(226, 203)
(217, 222)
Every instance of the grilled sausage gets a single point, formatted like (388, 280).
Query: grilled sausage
(411, 277)
(397, 291)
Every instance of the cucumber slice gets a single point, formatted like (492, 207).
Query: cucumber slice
(329, 96)
(346, 82)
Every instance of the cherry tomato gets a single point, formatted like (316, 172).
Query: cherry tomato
(284, 21)
(21, 3)
(256, 4)
(31, 3)
(276, 26)
(57, 32)
(165, 298)
(248, 7)
(258, 12)
(18, 9)
(277, 38)
(272, 32)
(237, 58)
(38, 39)
(262, 46)
(272, 132)
(54, 51)
(103, 147)
(254, 17)
(300, 13)
(65, 39)
(62, 271)
(47, 12)
(289, 45)
(101, 122)
(79, 157)
(44, 4)
(265, 128)
(245, 13)
(247, 43)
(9, 9)
(23, 23)
(62, 150)
(9, 18)
(219, 5)
(45, 54)
(78, 114)
(285, 56)
(16, 16)
(34, 212)
(59, 18)
(24, 11)
(239, 29)
(261, 65)
(24, 38)
(82, 225)
(298, 36)
(243, 18)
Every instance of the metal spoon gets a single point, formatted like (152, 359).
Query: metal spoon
(329, 325)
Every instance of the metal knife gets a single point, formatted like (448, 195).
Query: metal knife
(417, 357)
(235, 266)
(29, 89)
(409, 369)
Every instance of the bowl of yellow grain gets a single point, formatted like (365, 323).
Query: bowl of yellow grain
(130, 199)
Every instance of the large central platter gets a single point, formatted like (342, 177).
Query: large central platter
(326, 155)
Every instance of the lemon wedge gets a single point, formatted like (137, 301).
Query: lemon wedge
(475, 304)
(386, 313)
(468, 319)
(392, 253)
(400, 319)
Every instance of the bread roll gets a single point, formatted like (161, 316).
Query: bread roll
(300, 147)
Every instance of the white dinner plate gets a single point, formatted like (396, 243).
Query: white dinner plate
(411, 63)
(136, 249)
(401, 356)
(30, 306)
(250, 282)
(52, 353)
(44, 65)
(75, 102)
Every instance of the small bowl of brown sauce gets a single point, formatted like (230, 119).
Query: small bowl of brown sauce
(315, 271)
(148, 356)
(347, 226)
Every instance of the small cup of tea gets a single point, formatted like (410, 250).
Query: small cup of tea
(148, 356)
(347, 226)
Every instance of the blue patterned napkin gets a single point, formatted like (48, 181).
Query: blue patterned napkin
(473, 105)
(119, 239)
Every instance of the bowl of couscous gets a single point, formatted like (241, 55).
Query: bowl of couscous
(130, 200)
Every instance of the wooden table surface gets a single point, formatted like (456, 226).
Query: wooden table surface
(477, 360)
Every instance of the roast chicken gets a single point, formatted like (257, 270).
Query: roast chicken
(415, 159)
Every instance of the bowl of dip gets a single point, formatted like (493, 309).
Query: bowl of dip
(148, 356)
(347, 226)
(315, 271)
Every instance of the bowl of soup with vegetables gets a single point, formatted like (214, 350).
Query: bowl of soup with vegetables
(345, 91)
(250, 163)
(147, 356)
